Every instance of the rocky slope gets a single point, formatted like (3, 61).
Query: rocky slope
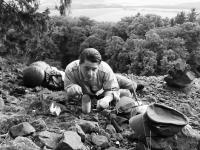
(26, 122)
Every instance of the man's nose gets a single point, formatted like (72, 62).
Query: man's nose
(90, 72)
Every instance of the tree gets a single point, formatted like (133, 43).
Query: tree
(120, 30)
(114, 47)
(71, 45)
(143, 62)
(64, 7)
(96, 42)
(27, 26)
(142, 24)
(192, 16)
(172, 22)
(180, 18)
(167, 61)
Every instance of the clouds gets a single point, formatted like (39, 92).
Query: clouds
(148, 2)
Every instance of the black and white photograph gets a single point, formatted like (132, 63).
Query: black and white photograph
(99, 74)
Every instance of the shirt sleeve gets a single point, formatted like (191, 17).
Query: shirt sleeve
(69, 79)
(125, 83)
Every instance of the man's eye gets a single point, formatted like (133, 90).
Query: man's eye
(87, 69)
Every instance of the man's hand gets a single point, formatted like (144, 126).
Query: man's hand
(104, 102)
(74, 90)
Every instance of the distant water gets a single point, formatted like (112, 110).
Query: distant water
(115, 14)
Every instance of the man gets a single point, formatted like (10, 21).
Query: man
(91, 78)
(40, 73)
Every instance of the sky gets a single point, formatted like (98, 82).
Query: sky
(124, 2)
(149, 2)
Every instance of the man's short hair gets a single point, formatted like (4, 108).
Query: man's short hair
(90, 54)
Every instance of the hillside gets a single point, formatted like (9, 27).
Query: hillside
(20, 104)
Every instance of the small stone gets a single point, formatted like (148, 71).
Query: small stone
(48, 139)
(88, 126)
(100, 140)
(24, 142)
(1, 103)
(79, 130)
(39, 125)
(111, 129)
(22, 129)
(71, 141)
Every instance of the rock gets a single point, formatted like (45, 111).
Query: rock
(19, 91)
(65, 125)
(1, 104)
(117, 136)
(39, 125)
(79, 130)
(20, 143)
(88, 126)
(24, 142)
(39, 107)
(114, 148)
(48, 139)
(71, 141)
(100, 140)
(110, 129)
(22, 129)
(14, 108)
(11, 100)
(7, 121)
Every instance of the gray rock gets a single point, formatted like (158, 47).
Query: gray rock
(110, 129)
(7, 121)
(14, 108)
(117, 136)
(79, 130)
(1, 103)
(12, 100)
(48, 139)
(71, 141)
(65, 125)
(39, 125)
(114, 148)
(26, 143)
(20, 143)
(22, 129)
(88, 126)
(100, 140)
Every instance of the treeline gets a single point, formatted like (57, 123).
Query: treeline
(140, 44)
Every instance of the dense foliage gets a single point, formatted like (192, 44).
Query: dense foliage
(140, 44)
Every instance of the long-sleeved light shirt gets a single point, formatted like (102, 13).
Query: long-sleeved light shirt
(105, 80)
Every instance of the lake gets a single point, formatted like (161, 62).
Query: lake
(115, 14)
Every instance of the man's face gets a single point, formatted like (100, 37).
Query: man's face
(89, 69)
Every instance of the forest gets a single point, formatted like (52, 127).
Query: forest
(142, 44)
